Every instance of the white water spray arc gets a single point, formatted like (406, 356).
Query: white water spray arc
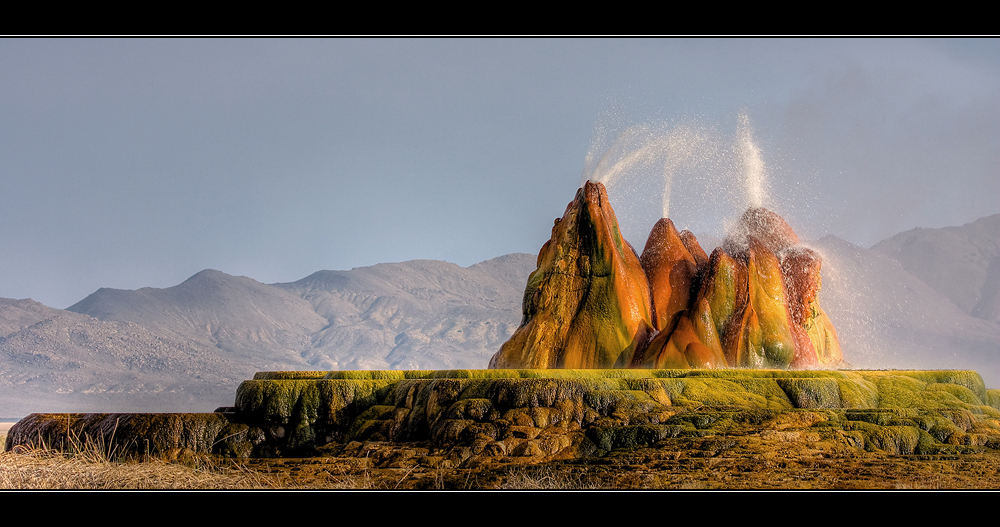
(644, 148)
(754, 175)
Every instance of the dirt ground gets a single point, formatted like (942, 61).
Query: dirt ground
(680, 464)
(686, 464)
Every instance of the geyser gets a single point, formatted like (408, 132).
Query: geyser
(662, 151)
(587, 305)
(594, 303)
(754, 177)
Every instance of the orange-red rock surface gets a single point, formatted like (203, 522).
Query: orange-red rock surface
(587, 305)
(752, 304)
(670, 269)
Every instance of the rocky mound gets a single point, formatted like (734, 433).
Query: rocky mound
(587, 305)
(474, 416)
(753, 304)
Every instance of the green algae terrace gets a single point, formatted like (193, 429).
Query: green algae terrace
(781, 389)
(537, 415)
(459, 406)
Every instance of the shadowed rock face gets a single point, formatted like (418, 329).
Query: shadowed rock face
(670, 269)
(521, 416)
(753, 304)
(757, 305)
(672, 262)
(587, 305)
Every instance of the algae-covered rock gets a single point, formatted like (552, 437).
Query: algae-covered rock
(303, 413)
(992, 398)
(766, 340)
(897, 440)
(569, 414)
(811, 393)
(592, 303)
(587, 305)
(858, 392)
(133, 435)
(671, 271)
(762, 393)
(752, 304)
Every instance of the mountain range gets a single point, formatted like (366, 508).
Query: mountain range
(925, 298)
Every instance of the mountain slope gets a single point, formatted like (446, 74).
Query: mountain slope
(56, 360)
(236, 314)
(961, 263)
(888, 318)
(421, 314)
(189, 346)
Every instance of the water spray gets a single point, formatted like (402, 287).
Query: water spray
(754, 175)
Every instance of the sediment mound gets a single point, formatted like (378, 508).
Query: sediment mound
(587, 305)
(474, 416)
(752, 304)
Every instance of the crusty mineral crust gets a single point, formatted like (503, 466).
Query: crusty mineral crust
(539, 415)
(592, 304)
(587, 305)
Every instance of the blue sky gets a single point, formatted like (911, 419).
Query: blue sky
(138, 162)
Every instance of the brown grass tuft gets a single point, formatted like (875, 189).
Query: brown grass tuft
(92, 467)
(544, 478)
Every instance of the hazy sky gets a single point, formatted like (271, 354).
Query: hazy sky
(132, 163)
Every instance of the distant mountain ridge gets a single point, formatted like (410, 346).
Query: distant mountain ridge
(887, 318)
(962, 263)
(187, 347)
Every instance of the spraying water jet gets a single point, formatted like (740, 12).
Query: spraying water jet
(593, 302)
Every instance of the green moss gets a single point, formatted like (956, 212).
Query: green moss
(926, 444)
(608, 401)
(463, 374)
(370, 421)
(432, 398)
(478, 409)
(942, 429)
(965, 378)
(288, 375)
(901, 439)
(958, 391)
(308, 409)
(992, 398)
(369, 375)
(899, 391)
(740, 392)
(940, 399)
(767, 388)
(881, 417)
(701, 421)
(654, 388)
(519, 393)
(717, 392)
(891, 439)
(857, 392)
(811, 392)
(618, 437)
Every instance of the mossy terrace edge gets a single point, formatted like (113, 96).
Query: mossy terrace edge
(470, 416)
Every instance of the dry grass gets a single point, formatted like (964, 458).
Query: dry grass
(91, 467)
(544, 478)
